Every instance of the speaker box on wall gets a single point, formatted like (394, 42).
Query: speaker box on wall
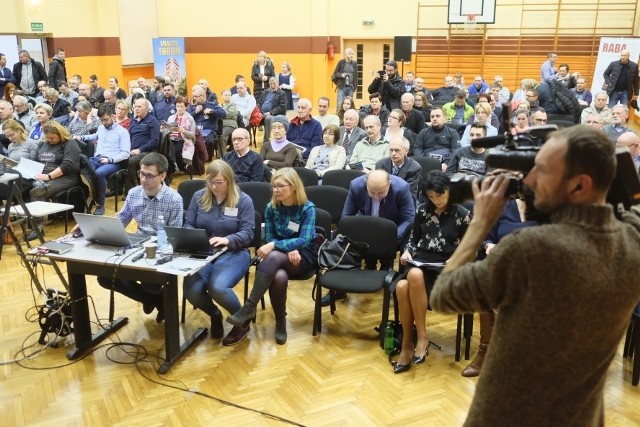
(402, 48)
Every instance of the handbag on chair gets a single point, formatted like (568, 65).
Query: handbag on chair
(341, 253)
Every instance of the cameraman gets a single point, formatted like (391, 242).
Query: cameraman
(564, 291)
(388, 84)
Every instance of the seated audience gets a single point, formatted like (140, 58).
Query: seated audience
(144, 131)
(396, 128)
(84, 122)
(229, 123)
(347, 104)
(244, 102)
(620, 115)
(43, 116)
(324, 117)
(121, 116)
(291, 249)
(467, 159)
(350, 132)
(376, 108)
(166, 106)
(522, 121)
(328, 156)
(23, 112)
(227, 214)
(19, 147)
(446, 93)
(598, 106)
(423, 106)
(414, 121)
(437, 141)
(59, 106)
(436, 232)
(458, 111)
(272, 102)
(482, 114)
(582, 94)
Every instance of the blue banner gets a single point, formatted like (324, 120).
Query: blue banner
(168, 60)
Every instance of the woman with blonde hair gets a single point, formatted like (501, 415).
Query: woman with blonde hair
(121, 116)
(227, 214)
(43, 116)
(20, 147)
(286, 82)
(290, 249)
(261, 71)
(483, 113)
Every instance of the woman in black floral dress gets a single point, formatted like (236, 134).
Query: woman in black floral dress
(436, 233)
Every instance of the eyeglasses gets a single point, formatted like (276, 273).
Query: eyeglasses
(147, 176)
(394, 117)
(279, 187)
(217, 182)
(239, 138)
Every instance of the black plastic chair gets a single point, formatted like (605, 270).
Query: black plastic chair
(260, 193)
(359, 228)
(308, 176)
(341, 177)
(187, 189)
(330, 198)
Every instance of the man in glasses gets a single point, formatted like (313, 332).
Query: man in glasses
(112, 150)
(144, 204)
(22, 111)
(246, 164)
(631, 142)
(538, 117)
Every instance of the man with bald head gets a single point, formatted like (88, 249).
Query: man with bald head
(383, 195)
(245, 102)
(206, 115)
(247, 165)
(350, 132)
(211, 95)
(414, 120)
(621, 80)
(631, 142)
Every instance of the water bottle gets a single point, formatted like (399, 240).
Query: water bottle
(388, 338)
(161, 234)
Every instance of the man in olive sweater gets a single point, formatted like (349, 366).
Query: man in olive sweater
(564, 291)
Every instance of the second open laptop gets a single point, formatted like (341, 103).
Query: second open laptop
(192, 241)
(106, 230)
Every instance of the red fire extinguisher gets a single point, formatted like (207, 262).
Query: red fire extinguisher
(330, 51)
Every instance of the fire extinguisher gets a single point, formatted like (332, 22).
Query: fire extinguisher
(330, 51)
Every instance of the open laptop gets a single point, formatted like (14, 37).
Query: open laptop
(192, 241)
(106, 230)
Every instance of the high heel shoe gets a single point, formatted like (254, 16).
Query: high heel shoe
(416, 360)
(397, 367)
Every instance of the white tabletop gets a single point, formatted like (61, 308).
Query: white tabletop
(8, 177)
(41, 208)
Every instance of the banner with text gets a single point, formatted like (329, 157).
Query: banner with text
(168, 60)
(608, 52)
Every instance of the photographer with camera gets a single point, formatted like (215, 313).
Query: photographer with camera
(389, 84)
(564, 291)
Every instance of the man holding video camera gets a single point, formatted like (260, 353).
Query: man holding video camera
(564, 291)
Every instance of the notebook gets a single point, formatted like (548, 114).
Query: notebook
(106, 230)
(193, 241)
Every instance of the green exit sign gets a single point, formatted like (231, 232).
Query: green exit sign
(37, 27)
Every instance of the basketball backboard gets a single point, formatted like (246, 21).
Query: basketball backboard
(483, 11)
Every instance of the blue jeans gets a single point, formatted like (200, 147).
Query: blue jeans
(342, 92)
(216, 281)
(102, 171)
(619, 95)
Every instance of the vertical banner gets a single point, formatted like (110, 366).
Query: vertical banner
(608, 52)
(168, 61)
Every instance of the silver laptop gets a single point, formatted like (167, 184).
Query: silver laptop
(192, 241)
(106, 230)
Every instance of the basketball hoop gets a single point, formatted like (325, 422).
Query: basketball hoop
(470, 23)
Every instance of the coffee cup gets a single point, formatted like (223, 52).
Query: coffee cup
(150, 250)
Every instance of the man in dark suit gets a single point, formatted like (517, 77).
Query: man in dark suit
(383, 195)
(353, 133)
(401, 165)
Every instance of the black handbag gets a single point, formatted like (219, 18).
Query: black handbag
(341, 253)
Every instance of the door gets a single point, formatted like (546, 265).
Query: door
(371, 55)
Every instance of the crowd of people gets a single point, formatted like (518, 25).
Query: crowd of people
(52, 119)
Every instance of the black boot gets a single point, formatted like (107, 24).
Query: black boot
(33, 234)
(248, 311)
(279, 304)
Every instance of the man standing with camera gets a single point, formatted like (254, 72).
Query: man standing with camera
(564, 291)
(388, 83)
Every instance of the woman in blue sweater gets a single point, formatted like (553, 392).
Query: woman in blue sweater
(228, 216)
(290, 249)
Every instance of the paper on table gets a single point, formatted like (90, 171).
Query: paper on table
(182, 266)
(28, 168)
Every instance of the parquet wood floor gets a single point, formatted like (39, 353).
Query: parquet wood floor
(341, 377)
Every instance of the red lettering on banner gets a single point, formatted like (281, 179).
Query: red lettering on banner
(614, 47)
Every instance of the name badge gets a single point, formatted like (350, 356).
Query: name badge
(293, 226)
(231, 211)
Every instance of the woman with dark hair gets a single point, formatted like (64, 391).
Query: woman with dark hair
(376, 108)
(328, 156)
(422, 105)
(291, 250)
(348, 103)
(436, 233)
(227, 214)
